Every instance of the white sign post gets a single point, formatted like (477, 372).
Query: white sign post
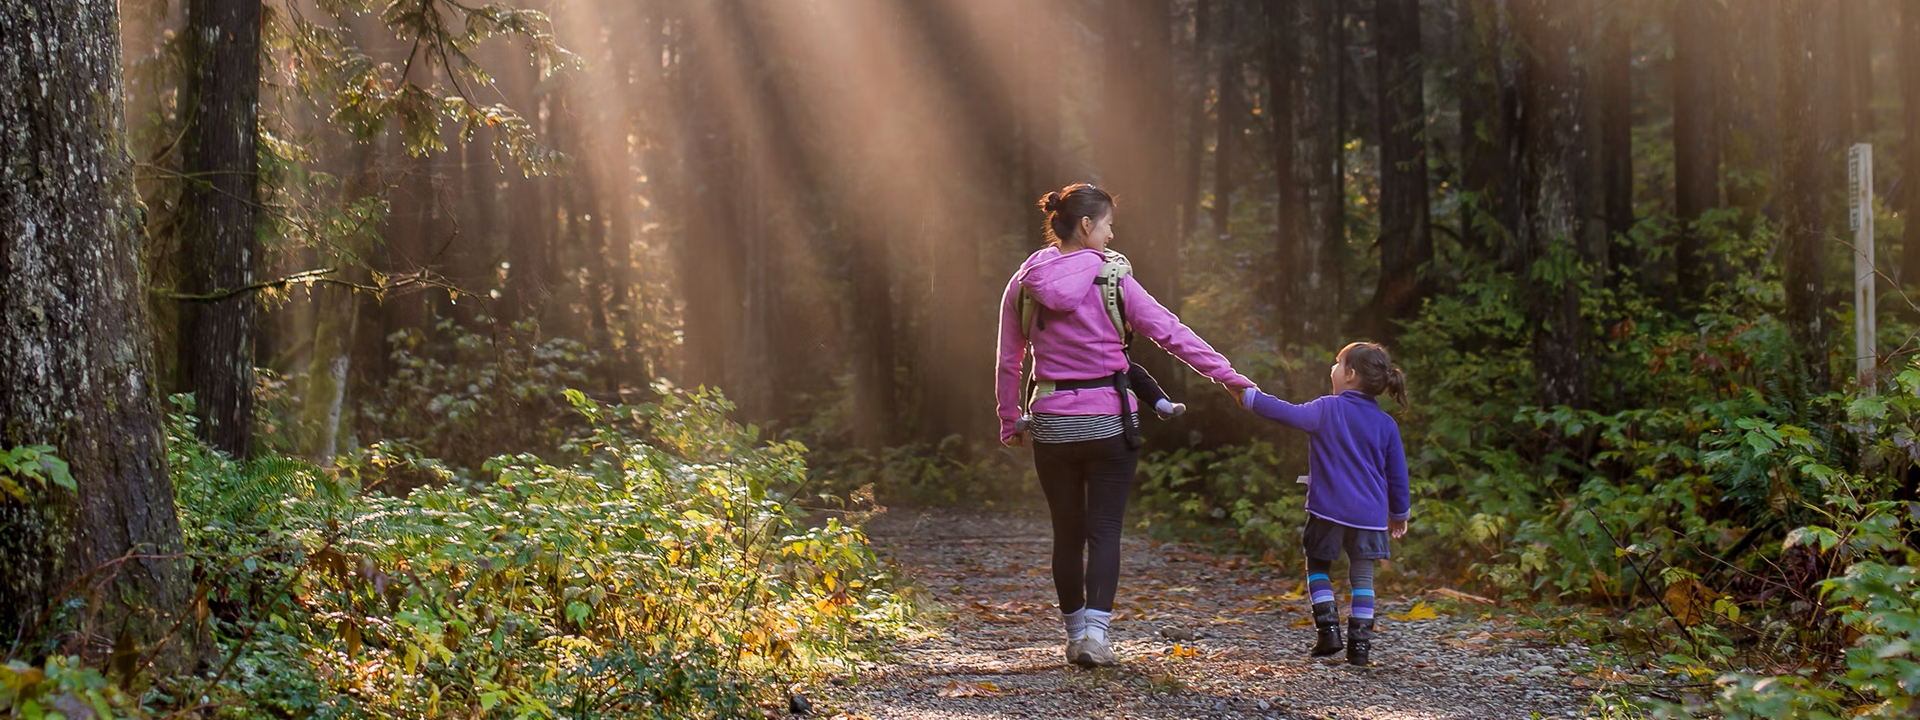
(1860, 218)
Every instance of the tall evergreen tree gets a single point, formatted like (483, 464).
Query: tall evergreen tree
(219, 207)
(76, 369)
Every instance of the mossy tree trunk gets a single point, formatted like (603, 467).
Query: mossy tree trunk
(75, 357)
(1558, 216)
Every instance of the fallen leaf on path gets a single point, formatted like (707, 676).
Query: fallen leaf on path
(1182, 651)
(1420, 611)
(1303, 622)
(959, 689)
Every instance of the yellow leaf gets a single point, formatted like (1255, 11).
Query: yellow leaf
(1182, 651)
(1688, 599)
(1420, 611)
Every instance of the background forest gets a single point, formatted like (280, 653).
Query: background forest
(402, 258)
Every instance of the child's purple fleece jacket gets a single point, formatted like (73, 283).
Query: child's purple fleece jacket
(1356, 468)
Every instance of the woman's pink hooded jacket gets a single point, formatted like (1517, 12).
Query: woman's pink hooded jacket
(1074, 340)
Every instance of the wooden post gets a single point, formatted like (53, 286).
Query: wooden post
(1860, 207)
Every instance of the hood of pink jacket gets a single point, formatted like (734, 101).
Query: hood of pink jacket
(1059, 282)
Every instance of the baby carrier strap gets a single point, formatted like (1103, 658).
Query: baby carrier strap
(1114, 270)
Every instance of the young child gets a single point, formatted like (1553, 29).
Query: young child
(1144, 387)
(1357, 488)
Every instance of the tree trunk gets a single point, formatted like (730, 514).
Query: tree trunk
(336, 324)
(1041, 135)
(1201, 55)
(1228, 114)
(1910, 139)
(1406, 240)
(1135, 148)
(1750, 148)
(1802, 190)
(76, 370)
(1612, 106)
(219, 211)
(1489, 119)
(1557, 222)
(1697, 80)
(1306, 142)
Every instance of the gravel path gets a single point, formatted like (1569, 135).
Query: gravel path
(997, 651)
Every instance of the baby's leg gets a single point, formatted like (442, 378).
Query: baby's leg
(1150, 392)
(1144, 385)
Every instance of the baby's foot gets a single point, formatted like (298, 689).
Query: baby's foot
(1169, 409)
(1021, 425)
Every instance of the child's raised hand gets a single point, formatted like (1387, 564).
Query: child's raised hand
(1397, 528)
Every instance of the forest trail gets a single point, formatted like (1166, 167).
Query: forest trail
(998, 654)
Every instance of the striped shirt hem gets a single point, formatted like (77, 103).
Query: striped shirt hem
(1077, 428)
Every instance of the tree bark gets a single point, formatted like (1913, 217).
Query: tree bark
(1228, 114)
(1802, 190)
(1406, 240)
(219, 204)
(1306, 146)
(1910, 139)
(1489, 119)
(1201, 56)
(1612, 105)
(1557, 223)
(1134, 150)
(1697, 80)
(75, 359)
(1040, 137)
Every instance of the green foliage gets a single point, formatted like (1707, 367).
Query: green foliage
(365, 93)
(62, 688)
(463, 396)
(661, 569)
(1875, 600)
(32, 462)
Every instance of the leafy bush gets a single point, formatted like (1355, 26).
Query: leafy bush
(1875, 600)
(662, 571)
(462, 396)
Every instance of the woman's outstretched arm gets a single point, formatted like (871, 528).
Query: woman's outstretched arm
(1160, 325)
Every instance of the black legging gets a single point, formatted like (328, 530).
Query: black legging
(1086, 485)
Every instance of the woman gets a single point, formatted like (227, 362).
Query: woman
(1082, 420)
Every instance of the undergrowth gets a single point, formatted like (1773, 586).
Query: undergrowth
(656, 568)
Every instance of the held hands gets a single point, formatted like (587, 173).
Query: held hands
(1239, 395)
(1397, 528)
(1019, 439)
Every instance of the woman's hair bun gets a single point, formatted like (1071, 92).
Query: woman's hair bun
(1050, 202)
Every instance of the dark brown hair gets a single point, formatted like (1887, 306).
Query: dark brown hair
(1065, 207)
(1376, 371)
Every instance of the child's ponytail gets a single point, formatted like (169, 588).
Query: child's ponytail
(1397, 385)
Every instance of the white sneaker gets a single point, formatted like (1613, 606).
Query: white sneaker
(1095, 653)
(1073, 649)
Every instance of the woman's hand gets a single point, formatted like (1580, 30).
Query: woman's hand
(1019, 439)
(1397, 528)
(1240, 396)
